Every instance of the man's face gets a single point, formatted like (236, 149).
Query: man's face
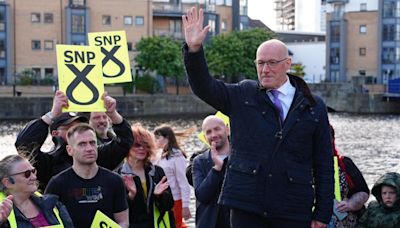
(216, 131)
(272, 63)
(100, 122)
(62, 130)
(389, 195)
(83, 147)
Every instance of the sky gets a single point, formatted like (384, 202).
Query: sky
(262, 10)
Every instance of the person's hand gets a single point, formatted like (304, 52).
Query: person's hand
(194, 31)
(317, 224)
(344, 206)
(161, 186)
(130, 186)
(218, 162)
(60, 100)
(5, 208)
(111, 108)
(186, 213)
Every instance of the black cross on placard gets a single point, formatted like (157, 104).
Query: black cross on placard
(109, 55)
(81, 77)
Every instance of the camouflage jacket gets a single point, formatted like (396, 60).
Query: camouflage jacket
(379, 215)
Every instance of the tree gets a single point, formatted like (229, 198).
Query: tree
(298, 69)
(252, 38)
(233, 54)
(161, 54)
(224, 56)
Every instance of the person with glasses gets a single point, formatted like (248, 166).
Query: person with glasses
(280, 171)
(21, 204)
(149, 195)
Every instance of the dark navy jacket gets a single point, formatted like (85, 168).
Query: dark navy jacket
(275, 170)
(207, 183)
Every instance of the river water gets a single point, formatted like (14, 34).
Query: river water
(372, 141)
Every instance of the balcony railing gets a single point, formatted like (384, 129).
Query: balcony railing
(167, 33)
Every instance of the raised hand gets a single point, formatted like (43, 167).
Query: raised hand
(60, 100)
(186, 213)
(194, 31)
(161, 186)
(111, 109)
(218, 162)
(5, 208)
(130, 186)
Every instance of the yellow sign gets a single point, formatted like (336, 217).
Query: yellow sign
(79, 77)
(115, 56)
(101, 220)
(220, 115)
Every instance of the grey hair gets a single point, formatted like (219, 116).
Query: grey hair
(6, 165)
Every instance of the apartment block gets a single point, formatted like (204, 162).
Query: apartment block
(363, 41)
(30, 30)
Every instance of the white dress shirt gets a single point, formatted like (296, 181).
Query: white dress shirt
(286, 95)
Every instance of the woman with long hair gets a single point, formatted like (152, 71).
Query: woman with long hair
(173, 161)
(21, 204)
(149, 196)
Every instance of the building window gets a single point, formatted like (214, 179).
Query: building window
(77, 2)
(36, 72)
(363, 29)
(129, 44)
(35, 44)
(335, 33)
(78, 24)
(48, 45)
(128, 20)
(211, 23)
(388, 32)
(175, 28)
(388, 55)
(363, 51)
(334, 56)
(139, 20)
(35, 17)
(363, 7)
(362, 72)
(48, 18)
(48, 72)
(334, 76)
(2, 21)
(106, 20)
(223, 25)
(390, 9)
(2, 49)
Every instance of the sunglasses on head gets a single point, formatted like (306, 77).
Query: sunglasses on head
(26, 173)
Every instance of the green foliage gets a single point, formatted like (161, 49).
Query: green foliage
(298, 69)
(26, 77)
(232, 55)
(127, 87)
(147, 84)
(160, 54)
(252, 38)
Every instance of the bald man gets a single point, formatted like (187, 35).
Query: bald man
(208, 175)
(280, 171)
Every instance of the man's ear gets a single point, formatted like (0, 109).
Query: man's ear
(70, 150)
(54, 133)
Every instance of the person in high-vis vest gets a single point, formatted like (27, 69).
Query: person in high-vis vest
(21, 205)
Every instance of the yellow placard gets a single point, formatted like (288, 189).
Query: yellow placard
(79, 77)
(115, 56)
(101, 220)
(220, 115)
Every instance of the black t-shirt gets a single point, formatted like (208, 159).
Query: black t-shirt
(83, 197)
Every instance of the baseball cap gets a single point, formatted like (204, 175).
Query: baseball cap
(65, 119)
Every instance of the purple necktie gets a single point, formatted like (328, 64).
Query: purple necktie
(277, 103)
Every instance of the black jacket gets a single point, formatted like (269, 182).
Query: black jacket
(141, 207)
(31, 138)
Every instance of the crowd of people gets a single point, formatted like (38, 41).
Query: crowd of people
(275, 166)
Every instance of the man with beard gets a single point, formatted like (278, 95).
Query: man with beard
(208, 175)
(102, 125)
